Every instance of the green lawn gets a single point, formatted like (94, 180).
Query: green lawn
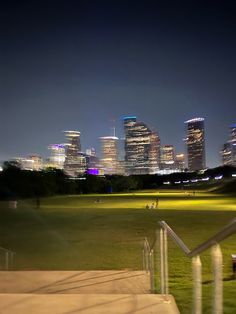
(76, 232)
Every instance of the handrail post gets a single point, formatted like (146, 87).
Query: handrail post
(151, 268)
(162, 261)
(197, 282)
(143, 259)
(217, 259)
(166, 273)
(146, 257)
(6, 260)
(194, 254)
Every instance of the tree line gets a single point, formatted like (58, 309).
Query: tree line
(16, 183)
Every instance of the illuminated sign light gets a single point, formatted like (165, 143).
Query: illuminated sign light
(218, 177)
(73, 133)
(109, 138)
(129, 117)
(93, 171)
(177, 182)
(186, 181)
(195, 180)
(205, 179)
(166, 182)
(233, 174)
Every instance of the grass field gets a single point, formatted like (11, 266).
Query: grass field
(76, 232)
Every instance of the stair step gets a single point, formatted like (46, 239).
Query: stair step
(66, 282)
(87, 304)
(84, 292)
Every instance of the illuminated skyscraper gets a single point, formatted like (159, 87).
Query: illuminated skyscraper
(180, 161)
(75, 161)
(142, 147)
(195, 144)
(92, 161)
(233, 143)
(228, 152)
(167, 157)
(109, 151)
(91, 152)
(154, 153)
(37, 164)
(32, 163)
(57, 158)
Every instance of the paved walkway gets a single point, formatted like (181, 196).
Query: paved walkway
(85, 292)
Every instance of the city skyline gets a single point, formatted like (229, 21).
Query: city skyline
(121, 144)
(112, 130)
(79, 65)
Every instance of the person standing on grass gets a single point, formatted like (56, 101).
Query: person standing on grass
(157, 202)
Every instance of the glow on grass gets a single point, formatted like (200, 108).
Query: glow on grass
(177, 199)
(198, 204)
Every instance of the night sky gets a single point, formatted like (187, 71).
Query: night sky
(82, 65)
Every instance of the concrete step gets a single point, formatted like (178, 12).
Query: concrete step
(86, 292)
(66, 282)
(87, 304)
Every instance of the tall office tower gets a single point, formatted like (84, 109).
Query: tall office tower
(75, 161)
(233, 133)
(226, 154)
(141, 147)
(180, 161)
(31, 162)
(154, 153)
(196, 144)
(91, 152)
(57, 157)
(167, 157)
(109, 152)
(233, 143)
(37, 162)
(23, 163)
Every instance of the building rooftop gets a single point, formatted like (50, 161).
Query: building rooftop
(194, 120)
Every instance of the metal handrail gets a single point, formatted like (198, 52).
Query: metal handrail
(9, 255)
(196, 262)
(6, 250)
(174, 236)
(218, 237)
(148, 262)
(147, 244)
(146, 255)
